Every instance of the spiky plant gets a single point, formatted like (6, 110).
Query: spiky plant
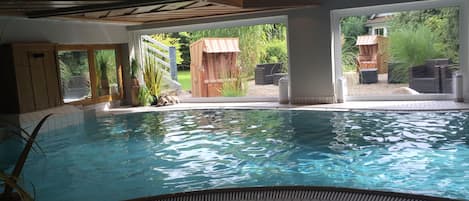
(134, 68)
(152, 75)
(10, 180)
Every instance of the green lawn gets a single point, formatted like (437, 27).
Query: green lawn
(184, 77)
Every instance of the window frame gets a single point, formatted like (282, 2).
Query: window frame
(91, 49)
(378, 31)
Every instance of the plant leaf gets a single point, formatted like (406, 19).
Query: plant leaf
(24, 154)
(11, 182)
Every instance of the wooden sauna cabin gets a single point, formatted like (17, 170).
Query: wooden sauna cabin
(213, 60)
(373, 53)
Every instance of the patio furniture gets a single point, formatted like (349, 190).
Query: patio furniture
(368, 76)
(263, 73)
(427, 78)
(446, 76)
(276, 77)
(424, 79)
(372, 53)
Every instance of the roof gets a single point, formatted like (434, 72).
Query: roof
(377, 20)
(218, 45)
(367, 40)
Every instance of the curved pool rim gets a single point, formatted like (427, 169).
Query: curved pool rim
(292, 193)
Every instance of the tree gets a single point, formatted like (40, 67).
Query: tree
(413, 45)
(351, 28)
(442, 22)
(184, 40)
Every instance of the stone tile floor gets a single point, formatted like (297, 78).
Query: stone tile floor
(382, 87)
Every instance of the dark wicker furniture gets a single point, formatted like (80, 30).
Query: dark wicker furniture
(433, 77)
(368, 75)
(263, 73)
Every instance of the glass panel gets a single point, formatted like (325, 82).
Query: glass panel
(106, 72)
(74, 74)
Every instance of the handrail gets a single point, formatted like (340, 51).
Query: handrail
(160, 56)
(165, 55)
(160, 60)
(159, 44)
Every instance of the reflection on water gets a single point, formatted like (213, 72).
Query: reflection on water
(126, 156)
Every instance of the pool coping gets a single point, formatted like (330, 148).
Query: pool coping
(355, 106)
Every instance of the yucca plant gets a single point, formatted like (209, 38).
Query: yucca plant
(152, 75)
(144, 96)
(10, 180)
(134, 68)
(102, 62)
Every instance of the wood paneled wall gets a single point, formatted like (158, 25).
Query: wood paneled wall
(31, 77)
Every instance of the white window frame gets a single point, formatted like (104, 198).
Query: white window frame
(385, 30)
(336, 15)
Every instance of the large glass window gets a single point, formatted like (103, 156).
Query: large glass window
(75, 75)
(106, 72)
(90, 73)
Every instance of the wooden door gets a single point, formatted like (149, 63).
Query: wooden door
(38, 78)
(23, 81)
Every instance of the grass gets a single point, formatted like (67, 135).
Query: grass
(184, 78)
(349, 68)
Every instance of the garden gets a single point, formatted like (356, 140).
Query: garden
(419, 52)
(258, 44)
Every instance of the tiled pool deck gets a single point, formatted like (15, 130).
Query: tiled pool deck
(404, 106)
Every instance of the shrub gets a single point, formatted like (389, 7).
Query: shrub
(234, 85)
(412, 46)
(134, 68)
(276, 52)
(349, 59)
(152, 75)
(443, 23)
(351, 28)
(144, 96)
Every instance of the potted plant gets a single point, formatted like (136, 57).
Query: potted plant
(152, 75)
(13, 191)
(103, 83)
(134, 85)
(144, 96)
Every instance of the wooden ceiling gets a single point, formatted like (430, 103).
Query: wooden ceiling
(19, 8)
(142, 11)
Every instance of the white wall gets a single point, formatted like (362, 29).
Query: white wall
(310, 57)
(17, 29)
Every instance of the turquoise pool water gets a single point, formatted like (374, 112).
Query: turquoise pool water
(134, 155)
